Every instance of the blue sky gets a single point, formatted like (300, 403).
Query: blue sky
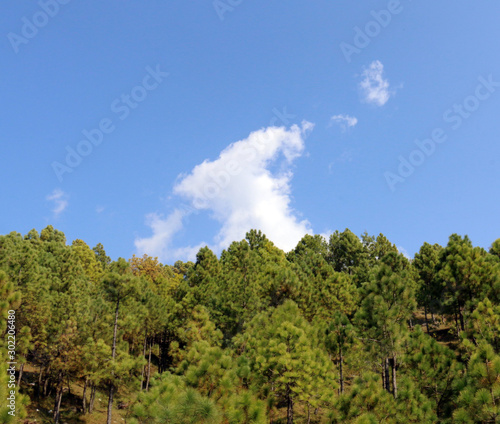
(204, 119)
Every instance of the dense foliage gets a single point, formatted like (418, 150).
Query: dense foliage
(345, 330)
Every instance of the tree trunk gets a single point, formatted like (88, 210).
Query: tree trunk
(143, 356)
(387, 378)
(457, 328)
(160, 351)
(149, 366)
(461, 316)
(84, 397)
(20, 375)
(39, 386)
(341, 371)
(394, 381)
(110, 402)
(92, 398)
(425, 315)
(45, 386)
(113, 355)
(115, 329)
(59, 393)
(164, 345)
(289, 410)
(383, 375)
(308, 413)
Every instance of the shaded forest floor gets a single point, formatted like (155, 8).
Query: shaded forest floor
(442, 329)
(40, 409)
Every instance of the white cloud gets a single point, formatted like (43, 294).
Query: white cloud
(59, 198)
(374, 88)
(345, 157)
(345, 121)
(240, 192)
(163, 231)
(404, 252)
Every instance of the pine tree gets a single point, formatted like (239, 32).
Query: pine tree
(484, 326)
(214, 373)
(170, 401)
(101, 256)
(434, 369)
(346, 252)
(287, 366)
(495, 248)
(479, 399)
(388, 302)
(13, 405)
(321, 290)
(430, 290)
(369, 403)
(340, 336)
(88, 260)
(467, 275)
(118, 285)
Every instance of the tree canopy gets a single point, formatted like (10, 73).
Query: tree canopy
(338, 330)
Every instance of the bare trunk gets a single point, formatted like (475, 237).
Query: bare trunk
(39, 386)
(394, 381)
(387, 378)
(115, 330)
(46, 386)
(456, 323)
(59, 393)
(92, 398)
(341, 371)
(149, 366)
(143, 356)
(461, 316)
(383, 374)
(164, 345)
(110, 402)
(84, 397)
(113, 355)
(21, 368)
(289, 410)
(308, 413)
(425, 315)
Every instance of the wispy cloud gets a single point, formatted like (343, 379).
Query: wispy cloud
(404, 252)
(345, 157)
(374, 88)
(164, 230)
(240, 192)
(345, 121)
(60, 201)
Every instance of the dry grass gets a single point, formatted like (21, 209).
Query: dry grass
(71, 405)
(442, 330)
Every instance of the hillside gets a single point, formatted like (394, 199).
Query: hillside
(344, 330)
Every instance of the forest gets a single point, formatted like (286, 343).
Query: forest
(339, 330)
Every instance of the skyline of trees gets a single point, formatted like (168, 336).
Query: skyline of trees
(340, 330)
